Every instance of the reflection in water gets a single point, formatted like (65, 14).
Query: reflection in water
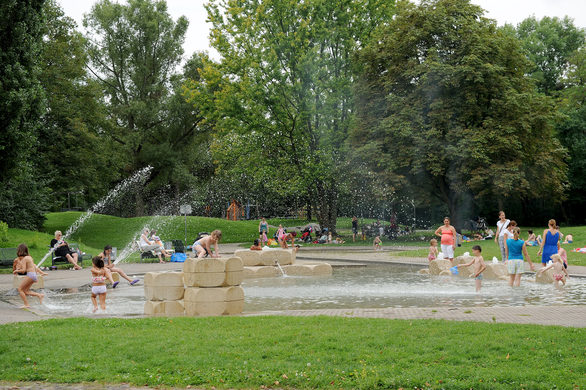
(365, 287)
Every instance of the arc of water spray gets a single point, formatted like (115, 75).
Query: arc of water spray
(128, 249)
(139, 176)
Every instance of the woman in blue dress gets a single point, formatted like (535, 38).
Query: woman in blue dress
(550, 243)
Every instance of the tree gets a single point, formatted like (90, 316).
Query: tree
(445, 109)
(22, 194)
(134, 50)
(76, 154)
(284, 89)
(549, 43)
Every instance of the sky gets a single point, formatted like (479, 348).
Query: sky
(504, 11)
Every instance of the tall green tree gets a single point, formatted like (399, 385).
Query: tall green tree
(445, 108)
(134, 50)
(77, 157)
(283, 88)
(549, 44)
(22, 194)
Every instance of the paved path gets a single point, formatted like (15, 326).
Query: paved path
(544, 315)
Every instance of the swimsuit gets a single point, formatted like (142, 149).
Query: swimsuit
(263, 227)
(98, 279)
(97, 290)
(479, 277)
(558, 277)
(32, 275)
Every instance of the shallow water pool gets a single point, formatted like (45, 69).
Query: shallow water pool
(373, 286)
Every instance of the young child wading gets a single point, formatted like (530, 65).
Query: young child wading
(479, 266)
(24, 265)
(99, 276)
(559, 272)
(432, 255)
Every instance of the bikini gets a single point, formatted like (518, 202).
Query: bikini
(32, 275)
(97, 290)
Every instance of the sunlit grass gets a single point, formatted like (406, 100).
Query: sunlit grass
(293, 352)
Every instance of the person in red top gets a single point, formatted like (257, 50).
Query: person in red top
(448, 239)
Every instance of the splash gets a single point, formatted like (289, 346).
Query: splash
(137, 178)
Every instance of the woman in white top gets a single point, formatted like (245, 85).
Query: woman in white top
(501, 227)
(147, 245)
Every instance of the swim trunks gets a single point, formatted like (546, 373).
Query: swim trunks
(479, 277)
(515, 267)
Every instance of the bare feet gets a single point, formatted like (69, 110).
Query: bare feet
(77, 267)
(41, 297)
(95, 309)
(24, 307)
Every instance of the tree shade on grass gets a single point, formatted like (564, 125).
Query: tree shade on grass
(293, 352)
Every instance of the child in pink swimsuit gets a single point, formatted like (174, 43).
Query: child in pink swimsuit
(432, 250)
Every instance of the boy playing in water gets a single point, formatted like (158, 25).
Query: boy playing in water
(479, 266)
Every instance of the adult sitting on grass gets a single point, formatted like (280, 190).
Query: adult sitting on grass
(146, 245)
(202, 246)
(61, 249)
(24, 265)
(106, 256)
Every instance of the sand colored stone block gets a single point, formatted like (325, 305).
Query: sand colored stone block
(164, 308)
(204, 279)
(218, 294)
(424, 271)
(544, 277)
(210, 264)
(462, 260)
(260, 272)
(307, 269)
(495, 271)
(153, 308)
(233, 264)
(283, 256)
(174, 308)
(248, 257)
(159, 293)
(17, 280)
(322, 269)
(445, 273)
(439, 265)
(204, 308)
(234, 307)
(163, 279)
(233, 278)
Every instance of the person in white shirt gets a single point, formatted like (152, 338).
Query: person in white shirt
(501, 228)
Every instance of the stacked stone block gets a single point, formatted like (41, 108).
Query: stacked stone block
(164, 293)
(262, 264)
(213, 286)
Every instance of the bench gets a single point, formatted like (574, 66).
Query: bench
(7, 256)
(81, 256)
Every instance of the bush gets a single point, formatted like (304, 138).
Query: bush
(3, 232)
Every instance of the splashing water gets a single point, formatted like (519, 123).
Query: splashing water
(158, 221)
(139, 177)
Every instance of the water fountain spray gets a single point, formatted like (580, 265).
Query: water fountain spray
(139, 177)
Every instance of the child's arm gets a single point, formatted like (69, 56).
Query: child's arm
(109, 275)
(466, 265)
(546, 268)
(526, 254)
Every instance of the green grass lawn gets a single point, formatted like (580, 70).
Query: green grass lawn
(294, 352)
(490, 249)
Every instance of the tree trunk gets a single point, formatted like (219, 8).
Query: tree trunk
(327, 213)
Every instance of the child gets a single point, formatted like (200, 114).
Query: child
(256, 246)
(532, 239)
(202, 246)
(479, 266)
(569, 239)
(559, 272)
(432, 255)
(24, 265)
(106, 255)
(377, 243)
(99, 276)
(564, 255)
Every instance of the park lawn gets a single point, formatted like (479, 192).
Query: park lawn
(293, 352)
(38, 244)
(490, 249)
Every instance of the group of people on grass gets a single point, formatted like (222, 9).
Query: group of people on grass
(513, 250)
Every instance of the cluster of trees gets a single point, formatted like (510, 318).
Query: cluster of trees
(336, 108)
